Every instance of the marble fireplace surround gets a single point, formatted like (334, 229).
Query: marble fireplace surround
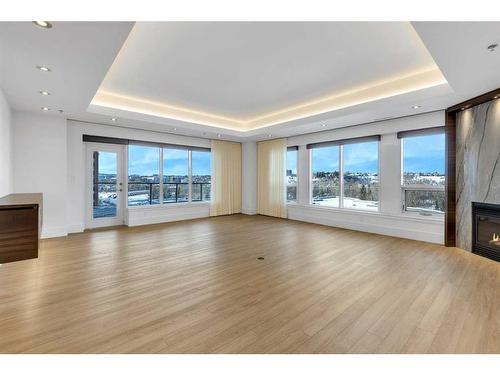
(477, 164)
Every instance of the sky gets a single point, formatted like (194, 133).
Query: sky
(359, 157)
(420, 154)
(145, 161)
(424, 154)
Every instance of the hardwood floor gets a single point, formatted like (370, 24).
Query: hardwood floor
(198, 287)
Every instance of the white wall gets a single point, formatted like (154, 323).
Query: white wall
(76, 170)
(390, 220)
(6, 171)
(249, 178)
(40, 165)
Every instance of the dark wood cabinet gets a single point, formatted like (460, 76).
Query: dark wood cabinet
(20, 226)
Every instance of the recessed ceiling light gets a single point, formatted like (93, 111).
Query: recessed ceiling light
(416, 106)
(492, 47)
(218, 135)
(44, 92)
(175, 129)
(43, 68)
(45, 109)
(44, 24)
(114, 119)
(463, 108)
(269, 135)
(495, 97)
(324, 125)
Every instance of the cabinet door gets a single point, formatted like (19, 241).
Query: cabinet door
(18, 234)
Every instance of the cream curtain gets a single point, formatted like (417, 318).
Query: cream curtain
(226, 178)
(271, 188)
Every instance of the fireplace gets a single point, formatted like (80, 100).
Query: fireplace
(486, 230)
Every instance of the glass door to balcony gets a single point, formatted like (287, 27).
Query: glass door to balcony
(105, 185)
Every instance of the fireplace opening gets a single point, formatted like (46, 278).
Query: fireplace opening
(486, 230)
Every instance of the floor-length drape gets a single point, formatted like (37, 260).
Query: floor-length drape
(271, 188)
(226, 178)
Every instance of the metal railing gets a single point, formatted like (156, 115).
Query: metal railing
(197, 191)
(178, 193)
(426, 200)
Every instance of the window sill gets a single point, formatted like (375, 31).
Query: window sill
(402, 216)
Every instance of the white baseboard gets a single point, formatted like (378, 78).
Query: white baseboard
(390, 225)
(54, 232)
(157, 215)
(248, 211)
(76, 228)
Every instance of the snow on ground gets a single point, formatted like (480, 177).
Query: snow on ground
(353, 203)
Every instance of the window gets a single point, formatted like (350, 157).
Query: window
(143, 175)
(179, 167)
(104, 184)
(175, 175)
(325, 176)
(345, 173)
(423, 176)
(361, 176)
(201, 175)
(291, 174)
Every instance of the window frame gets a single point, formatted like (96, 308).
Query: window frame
(341, 145)
(296, 149)
(161, 203)
(419, 187)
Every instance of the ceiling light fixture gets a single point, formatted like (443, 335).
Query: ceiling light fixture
(114, 119)
(269, 135)
(43, 68)
(324, 125)
(492, 47)
(43, 24)
(175, 129)
(44, 92)
(218, 135)
(45, 109)
(416, 106)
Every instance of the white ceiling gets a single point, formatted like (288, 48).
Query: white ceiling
(242, 70)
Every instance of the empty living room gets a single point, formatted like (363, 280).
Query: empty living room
(200, 181)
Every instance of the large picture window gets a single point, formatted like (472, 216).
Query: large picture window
(361, 176)
(143, 175)
(201, 175)
(179, 166)
(423, 174)
(291, 174)
(175, 175)
(325, 168)
(345, 173)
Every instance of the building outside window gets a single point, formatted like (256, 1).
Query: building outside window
(423, 172)
(201, 175)
(143, 175)
(179, 167)
(291, 174)
(175, 175)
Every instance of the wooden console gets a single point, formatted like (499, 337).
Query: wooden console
(20, 226)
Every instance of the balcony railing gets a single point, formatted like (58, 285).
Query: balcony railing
(425, 200)
(173, 192)
(143, 193)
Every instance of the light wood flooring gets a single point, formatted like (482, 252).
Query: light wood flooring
(197, 287)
